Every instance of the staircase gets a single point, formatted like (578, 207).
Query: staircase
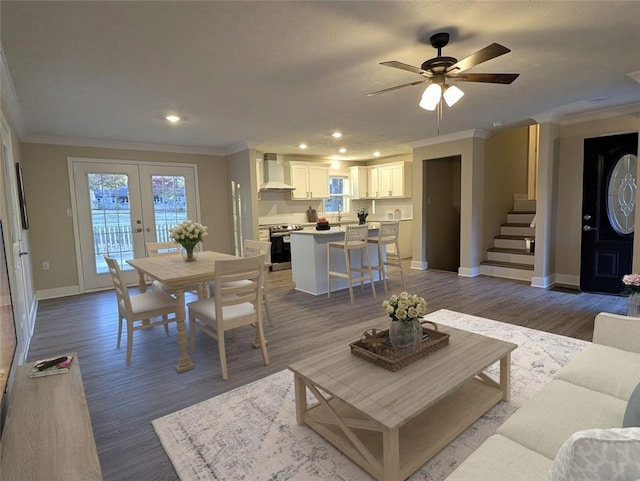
(510, 257)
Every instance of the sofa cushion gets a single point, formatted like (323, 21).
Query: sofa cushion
(500, 459)
(598, 455)
(560, 409)
(605, 369)
(631, 417)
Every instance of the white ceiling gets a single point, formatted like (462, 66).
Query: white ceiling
(273, 74)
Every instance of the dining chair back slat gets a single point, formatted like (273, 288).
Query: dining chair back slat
(237, 296)
(138, 310)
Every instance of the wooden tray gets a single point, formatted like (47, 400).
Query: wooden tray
(384, 355)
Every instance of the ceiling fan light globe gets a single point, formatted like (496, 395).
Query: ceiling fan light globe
(452, 94)
(431, 97)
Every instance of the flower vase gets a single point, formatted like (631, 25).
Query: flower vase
(405, 335)
(188, 254)
(633, 305)
(362, 218)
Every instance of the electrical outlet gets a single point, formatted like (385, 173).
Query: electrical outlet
(45, 265)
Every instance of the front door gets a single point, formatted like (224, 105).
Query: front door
(608, 212)
(121, 206)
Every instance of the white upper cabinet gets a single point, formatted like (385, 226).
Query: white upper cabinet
(359, 177)
(390, 180)
(311, 181)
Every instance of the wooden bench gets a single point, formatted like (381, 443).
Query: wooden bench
(47, 433)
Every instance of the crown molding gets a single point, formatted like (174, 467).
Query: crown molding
(462, 135)
(110, 144)
(548, 118)
(616, 111)
(10, 99)
(239, 147)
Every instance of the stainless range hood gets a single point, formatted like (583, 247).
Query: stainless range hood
(273, 174)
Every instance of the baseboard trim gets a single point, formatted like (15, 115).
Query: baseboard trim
(468, 271)
(543, 282)
(421, 266)
(568, 280)
(58, 292)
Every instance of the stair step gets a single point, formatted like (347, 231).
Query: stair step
(517, 229)
(511, 256)
(506, 271)
(520, 217)
(524, 205)
(514, 237)
(510, 265)
(508, 250)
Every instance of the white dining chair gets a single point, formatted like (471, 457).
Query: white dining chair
(140, 308)
(234, 304)
(256, 248)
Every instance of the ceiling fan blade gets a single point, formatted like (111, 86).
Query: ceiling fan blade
(489, 52)
(407, 67)
(417, 82)
(490, 78)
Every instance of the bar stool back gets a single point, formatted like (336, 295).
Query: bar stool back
(388, 235)
(355, 238)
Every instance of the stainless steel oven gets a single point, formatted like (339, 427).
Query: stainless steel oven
(281, 245)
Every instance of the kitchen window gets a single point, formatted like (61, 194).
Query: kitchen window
(338, 200)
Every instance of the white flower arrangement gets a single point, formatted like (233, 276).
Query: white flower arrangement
(188, 234)
(404, 306)
(632, 283)
(362, 211)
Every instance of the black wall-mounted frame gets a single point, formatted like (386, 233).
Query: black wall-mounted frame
(23, 202)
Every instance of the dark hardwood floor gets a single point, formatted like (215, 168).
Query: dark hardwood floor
(124, 400)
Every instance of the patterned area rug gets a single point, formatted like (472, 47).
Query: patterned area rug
(250, 433)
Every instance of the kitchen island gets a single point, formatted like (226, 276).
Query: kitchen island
(309, 259)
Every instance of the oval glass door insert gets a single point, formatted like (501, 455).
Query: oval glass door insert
(621, 195)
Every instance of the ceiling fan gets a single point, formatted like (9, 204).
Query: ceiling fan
(439, 69)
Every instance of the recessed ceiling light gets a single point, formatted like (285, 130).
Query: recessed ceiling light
(376, 154)
(303, 146)
(343, 150)
(335, 165)
(336, 135)
(173, 118)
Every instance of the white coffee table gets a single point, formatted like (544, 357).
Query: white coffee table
(391, 423)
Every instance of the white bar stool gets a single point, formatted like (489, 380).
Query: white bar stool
(355, 238)
(388, 235)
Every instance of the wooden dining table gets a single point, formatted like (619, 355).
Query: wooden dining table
(178, 275)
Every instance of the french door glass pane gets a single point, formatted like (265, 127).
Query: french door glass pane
(110, 219)
(169, 203)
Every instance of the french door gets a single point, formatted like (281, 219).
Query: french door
(119, 206)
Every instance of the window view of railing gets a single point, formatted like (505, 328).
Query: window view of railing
(112, 225)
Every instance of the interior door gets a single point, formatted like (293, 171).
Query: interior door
(20, 282)
(608, 212)
(120, 206)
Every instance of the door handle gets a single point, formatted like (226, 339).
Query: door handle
(139, 229)
(588, 228)
(587, 217)
(23, 253)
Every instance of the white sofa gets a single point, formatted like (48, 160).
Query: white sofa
(590, 392)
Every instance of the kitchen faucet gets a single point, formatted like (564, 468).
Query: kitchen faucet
(339, 215)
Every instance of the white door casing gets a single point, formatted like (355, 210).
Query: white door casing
(122, 224)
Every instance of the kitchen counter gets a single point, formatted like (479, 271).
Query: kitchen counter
(309, 259)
